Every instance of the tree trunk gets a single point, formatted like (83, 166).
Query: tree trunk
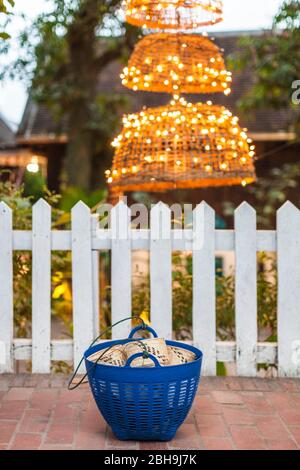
(83, 167)
(83, 43)
(79, 150)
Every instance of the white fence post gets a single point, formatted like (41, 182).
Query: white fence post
(41, 287)
(6, 289)
(161, 270)
(120, 270)
(204, 286)
(96, 293)
(246, 290)
(82, 280)
(288, 258)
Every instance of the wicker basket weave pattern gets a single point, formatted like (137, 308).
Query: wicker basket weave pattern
(173, 14)
(181, 145)
(172, 63)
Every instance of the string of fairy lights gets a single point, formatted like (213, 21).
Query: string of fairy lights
(173, 14)
(180, 145)
(167, 62)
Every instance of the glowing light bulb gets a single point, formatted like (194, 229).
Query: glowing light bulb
(33, 165)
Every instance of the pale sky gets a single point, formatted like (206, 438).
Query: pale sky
(238, 15)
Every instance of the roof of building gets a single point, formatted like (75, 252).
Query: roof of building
(37, 122)
(7, 136)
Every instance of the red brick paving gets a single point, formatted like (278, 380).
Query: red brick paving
(37, 412)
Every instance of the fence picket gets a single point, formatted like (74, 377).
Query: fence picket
(41, 287)
(82, 282)
(6, 289)
(246, 290)
(288, 259)
(204, 285)
(96, 290)
(120, 269)
(161, 270)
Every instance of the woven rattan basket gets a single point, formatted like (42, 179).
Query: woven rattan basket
(172, 63)
(181, 145)
(173, 14)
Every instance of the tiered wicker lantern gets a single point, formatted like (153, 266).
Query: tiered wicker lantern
(173, 63)
(181, 145)
(173, 14)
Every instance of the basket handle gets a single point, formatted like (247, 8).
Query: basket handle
(71, 385)
(142, 327)
(142, 354)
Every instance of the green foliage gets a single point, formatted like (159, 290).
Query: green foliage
(267, 286)
(5, 4)
(221, 369)
(43, 57)
(62, 56)
(225, 299)
(71, 196)
(21, 206)
(34, 185)
(182, 293)
(225, 306)
(269, 193)
(5, 10)
(275, 59)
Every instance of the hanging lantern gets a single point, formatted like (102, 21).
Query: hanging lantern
(173, 14)
(181, 145)
(182, 63)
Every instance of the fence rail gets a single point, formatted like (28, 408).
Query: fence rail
(86, 239)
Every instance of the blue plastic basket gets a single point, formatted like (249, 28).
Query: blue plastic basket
(144, 403)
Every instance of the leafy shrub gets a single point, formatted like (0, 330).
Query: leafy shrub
(225, 298)
(21, 206)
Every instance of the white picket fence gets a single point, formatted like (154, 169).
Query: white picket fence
(85, 240)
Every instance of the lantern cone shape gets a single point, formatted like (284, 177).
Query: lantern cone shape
(173, 14)
(181, 145)
(182, 63)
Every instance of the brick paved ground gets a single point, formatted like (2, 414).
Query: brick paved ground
(37, 412)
